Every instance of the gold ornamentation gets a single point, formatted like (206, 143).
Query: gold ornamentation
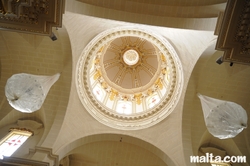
(22, 130)
(101, 49)
(97, 61)
(104, 85)
(164, 71)
(113, 94)
(163, 58)
(138, 98)
(97, 74)
(125, 98)
(149, 92)
(158, 83)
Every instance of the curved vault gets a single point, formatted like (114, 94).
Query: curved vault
(117, 148)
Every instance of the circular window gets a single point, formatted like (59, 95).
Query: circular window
(129, 78)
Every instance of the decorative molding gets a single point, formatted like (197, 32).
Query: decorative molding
(14, 161)
(31, 125)
(47, 151)
(23, 130)
(29, 16)
(234, 32)
(218, 24)
(139, 120)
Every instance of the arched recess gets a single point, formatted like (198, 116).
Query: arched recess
(117, 143)
(223, 82)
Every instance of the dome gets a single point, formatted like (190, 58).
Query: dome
(131, 78)
(130, 63)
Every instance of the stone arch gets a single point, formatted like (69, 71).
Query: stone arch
(68, 149)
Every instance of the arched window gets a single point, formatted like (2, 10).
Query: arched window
(99, 92)
(124, 107)
(153, 100)
(12, 141)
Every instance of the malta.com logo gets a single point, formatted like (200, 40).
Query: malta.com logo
(210, 158)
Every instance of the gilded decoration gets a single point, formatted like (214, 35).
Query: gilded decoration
(150, 87)
(23, 130)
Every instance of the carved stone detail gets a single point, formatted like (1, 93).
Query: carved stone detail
(31, 16)
(8, 161)
(51, 158)
(234, 32)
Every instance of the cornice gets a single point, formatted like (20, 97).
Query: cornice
(48, 152)
(234, 34)
(27, 16)
(21, 161)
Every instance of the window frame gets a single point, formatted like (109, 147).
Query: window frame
(13, 132)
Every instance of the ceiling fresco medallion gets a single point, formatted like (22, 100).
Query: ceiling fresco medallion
(129, 78)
